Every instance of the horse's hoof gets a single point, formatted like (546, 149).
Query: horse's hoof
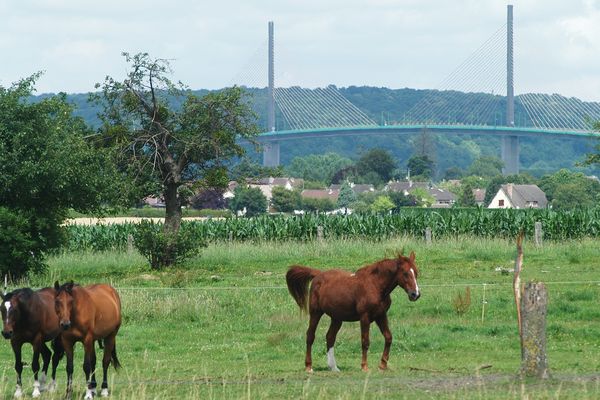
(309, 370)
(36, 393)
(89, 394)
(335, 369)
(51, 387)
(104, 392)
(18, 393)
(383, 367)
(365, 369)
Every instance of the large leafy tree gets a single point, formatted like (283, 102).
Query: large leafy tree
(169, 138)
(248, 199)
(285, 200)
(346, 196)
(378, 161)
(567, 189)
(421, 167)
(46, 168)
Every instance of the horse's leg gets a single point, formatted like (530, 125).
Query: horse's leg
(315, 316)
(46, 355)
(382, 323)
(68, 346)
(365, 324)
(89, 364)
(109, 345)
(334, 328)
(35, 366)
(18, 366)
(58, 353)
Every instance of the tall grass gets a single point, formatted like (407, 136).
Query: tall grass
(223, 326)
(484, 223)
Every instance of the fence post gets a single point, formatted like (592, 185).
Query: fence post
(130, 243)
(428, 235)
(534, 305)
(539, 234)
(320, 233)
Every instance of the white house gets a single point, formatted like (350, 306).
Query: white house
(519, 196)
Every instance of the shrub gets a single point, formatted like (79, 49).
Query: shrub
(18, 252)
(163, 249)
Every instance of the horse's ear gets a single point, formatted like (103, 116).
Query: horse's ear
(69, 286)
(412, 256)
(56, 285)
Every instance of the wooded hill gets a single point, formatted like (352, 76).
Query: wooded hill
(388, 106)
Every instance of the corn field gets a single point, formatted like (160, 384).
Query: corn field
(557, 225)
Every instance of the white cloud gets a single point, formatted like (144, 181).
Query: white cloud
(395, 43)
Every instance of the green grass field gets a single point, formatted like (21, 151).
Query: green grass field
(223, 325)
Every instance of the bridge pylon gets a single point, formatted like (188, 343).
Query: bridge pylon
(510, 144)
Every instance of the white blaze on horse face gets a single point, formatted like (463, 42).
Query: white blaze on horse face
(412, 271)
(331, 361)
(7, 306)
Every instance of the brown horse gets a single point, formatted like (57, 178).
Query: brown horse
(361, 296)
(87, 314)
(28, 317)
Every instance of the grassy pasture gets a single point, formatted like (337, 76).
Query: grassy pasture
(224, 326)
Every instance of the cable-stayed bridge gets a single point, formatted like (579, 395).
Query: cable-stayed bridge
(491, 108)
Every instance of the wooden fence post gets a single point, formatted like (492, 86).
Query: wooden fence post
(428, 235)
(130, 243)
(539, 234)
(320, 233)
(534, 305)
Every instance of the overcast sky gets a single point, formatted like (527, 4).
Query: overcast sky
(393, 43)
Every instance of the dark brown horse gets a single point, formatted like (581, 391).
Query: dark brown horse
(28, 317)
(361, 296)
(87, 314)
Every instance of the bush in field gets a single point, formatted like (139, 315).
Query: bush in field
(164, 249)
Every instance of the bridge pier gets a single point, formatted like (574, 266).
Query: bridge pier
(271, 154)
(510, 155)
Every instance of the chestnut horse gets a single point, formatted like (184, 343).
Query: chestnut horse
(87, 314)
(361, 296)
(28, 317)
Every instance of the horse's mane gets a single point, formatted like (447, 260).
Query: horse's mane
(65, 287)
(377, 266)
(25, 294)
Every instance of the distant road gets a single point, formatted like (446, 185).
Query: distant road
(121, 220)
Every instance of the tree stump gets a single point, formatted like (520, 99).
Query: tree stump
(534, 305)
(539, 234)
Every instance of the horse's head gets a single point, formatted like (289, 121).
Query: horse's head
(407, 275)
(12, 309)
(63, 303)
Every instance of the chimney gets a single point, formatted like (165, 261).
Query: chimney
(509, 190)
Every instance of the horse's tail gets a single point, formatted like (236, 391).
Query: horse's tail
(298, 278)
(114, 359)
